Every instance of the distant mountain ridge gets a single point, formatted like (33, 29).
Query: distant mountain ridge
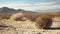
(11, 10)
(49, 10)
(6, 9)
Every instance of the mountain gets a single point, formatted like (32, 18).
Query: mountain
(11, 10)
(24, 11)
(49, 10)
(6, 9)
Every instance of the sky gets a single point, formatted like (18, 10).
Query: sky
(31, 5)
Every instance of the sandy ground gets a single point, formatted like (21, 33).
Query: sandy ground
(26, 27)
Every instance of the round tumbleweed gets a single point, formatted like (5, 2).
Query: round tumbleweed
(43, 22)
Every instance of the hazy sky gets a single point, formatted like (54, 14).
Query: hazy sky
(31, 4)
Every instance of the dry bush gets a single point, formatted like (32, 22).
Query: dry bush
(18, 17)
(5, 15)
(31, 16)
(43, 22)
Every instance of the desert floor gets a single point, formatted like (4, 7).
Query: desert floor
(26, 27)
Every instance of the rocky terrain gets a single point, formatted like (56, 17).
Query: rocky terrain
(26, 27)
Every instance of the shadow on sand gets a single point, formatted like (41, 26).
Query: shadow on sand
(53, 28)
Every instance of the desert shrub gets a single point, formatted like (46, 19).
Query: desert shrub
(43, 22)
(31, 16)
(18, 17)
(5, 15)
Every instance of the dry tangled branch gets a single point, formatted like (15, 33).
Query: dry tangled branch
(43, 22)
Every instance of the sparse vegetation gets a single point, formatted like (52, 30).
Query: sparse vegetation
(33, 16)
(28, 16)
(5, 15)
